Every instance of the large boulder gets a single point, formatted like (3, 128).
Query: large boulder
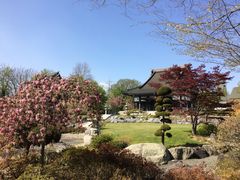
(157, 153)
(182, 153)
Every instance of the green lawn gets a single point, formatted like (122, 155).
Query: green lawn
(144, 133)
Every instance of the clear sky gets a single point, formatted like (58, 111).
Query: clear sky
(57, 35)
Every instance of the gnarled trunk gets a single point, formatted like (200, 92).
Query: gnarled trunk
(42, 154)
(163, 135)
(194, 121)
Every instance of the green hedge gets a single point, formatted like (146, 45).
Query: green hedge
(206, 129)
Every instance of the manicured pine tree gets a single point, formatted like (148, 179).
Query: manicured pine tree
(163, 107)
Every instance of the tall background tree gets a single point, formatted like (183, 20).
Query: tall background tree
(11, 78)
(116, 99)
(82, 70)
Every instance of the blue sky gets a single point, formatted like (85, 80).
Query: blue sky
(57, 35)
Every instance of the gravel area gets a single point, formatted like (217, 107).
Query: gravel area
(74, 140)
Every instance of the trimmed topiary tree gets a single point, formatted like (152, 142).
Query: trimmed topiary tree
(163, 109)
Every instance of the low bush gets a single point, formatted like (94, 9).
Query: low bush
(228, 165)
(120, 144)
(107, 162)
(12, 168)
(188, 173)
(229, 132)
(101, 139)
(206, 129)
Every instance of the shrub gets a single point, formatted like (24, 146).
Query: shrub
(12, 168)
(158, 132)
(229, 132)
(159, 99)
(162, 91)
(105, 163)
(188, 173)
(169, 135)
(101, 139)
(120, 144)
(166, 113)
(228, 165)
(159, 108)
(165, 127)
(206, 129)
(167, 100)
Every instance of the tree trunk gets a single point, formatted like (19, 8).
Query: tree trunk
(163, 135)
(42, 154)
(194, 121)
(194, 129)
(27, 149)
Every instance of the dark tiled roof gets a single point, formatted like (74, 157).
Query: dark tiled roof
(146, 88)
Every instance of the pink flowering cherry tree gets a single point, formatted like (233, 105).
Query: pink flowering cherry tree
(43, 107)
(83, 101)
(34, 113)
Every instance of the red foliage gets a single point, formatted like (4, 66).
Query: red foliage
(197, 89)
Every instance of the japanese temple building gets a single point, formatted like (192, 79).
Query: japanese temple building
(144, 95)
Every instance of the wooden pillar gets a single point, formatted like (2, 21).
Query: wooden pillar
(139, 103)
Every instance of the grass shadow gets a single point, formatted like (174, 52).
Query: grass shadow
(188, 131)
(192, 145)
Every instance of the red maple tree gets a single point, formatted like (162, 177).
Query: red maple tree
(195, 89)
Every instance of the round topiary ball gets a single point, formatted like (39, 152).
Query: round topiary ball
(169, 135)
(158, 132)
(159, 108)
(163, 91)
(167, 100)
(159, 100)
(165, 127)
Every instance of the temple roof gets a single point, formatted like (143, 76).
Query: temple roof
(146, 88)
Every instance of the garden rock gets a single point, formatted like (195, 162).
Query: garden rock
(182, 153)
(210, 150)
(154, 120)
(73, 140)
(56, 147)
(157, 153)
(87, 139)
(177, 153)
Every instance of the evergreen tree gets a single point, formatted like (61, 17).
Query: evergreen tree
(163, 107)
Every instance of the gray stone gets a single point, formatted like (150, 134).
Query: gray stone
(188, 153)
(212, 137)
(199, 153)
(176, 152)
(87, 139)
(56, 147)
(73, 140)
(157, 153)
(210, 150)
(182, 153)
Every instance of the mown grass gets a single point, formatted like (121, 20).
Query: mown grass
(144, 133)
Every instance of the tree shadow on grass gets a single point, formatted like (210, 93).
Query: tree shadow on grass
(188, 131)
(192, 145)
